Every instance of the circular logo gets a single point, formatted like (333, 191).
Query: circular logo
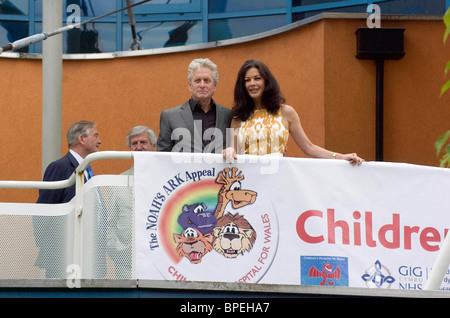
(216, 230)
(378, 275)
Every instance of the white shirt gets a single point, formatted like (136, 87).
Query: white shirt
(79, 159)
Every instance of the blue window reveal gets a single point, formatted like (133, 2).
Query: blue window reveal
(168, 23)
(168, 6)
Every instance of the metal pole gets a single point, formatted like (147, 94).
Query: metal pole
(440, 266)
(132, 26)
(51, 83)
(379, 109)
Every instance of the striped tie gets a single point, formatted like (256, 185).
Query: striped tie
(89, 171)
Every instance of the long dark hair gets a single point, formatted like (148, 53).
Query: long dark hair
(271, 97)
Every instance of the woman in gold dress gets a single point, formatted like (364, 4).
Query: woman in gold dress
(261, 122)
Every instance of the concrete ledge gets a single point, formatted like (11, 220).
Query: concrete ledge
(133, 288)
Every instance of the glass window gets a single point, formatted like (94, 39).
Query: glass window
(37, 46)
(387, 6)
(164, 23)
(11, 31)
(221, 6)
(88, 8)
(90, 38)
(163, 34)
(17, 7)
(307, 14)
(155, 2)
(92, 8)
(296, 3)
(233, 28)
(168, 6)
(413, 7)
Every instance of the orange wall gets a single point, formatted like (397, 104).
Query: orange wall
(414, 114)
(333, 92)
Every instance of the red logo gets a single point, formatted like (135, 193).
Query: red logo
(326, 273)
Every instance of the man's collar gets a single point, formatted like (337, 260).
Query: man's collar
(76, 155)
(193, 103)
(79, 159)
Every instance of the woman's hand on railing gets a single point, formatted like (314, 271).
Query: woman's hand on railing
(229, 154)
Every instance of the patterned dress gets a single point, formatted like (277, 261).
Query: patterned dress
(263, 134)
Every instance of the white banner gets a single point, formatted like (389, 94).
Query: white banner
(288, 220)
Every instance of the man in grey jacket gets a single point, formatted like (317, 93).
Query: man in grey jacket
(199, 125)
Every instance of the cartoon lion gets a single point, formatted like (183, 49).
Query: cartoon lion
(233, 235)
(193, 245)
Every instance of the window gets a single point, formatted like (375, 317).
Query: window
(168, 23)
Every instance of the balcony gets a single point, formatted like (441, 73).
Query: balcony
(88, 245)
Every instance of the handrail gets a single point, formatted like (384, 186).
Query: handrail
(71, 180)
(38, 184)
(100, 155)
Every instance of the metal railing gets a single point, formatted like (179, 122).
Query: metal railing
(67, 183)
(46, 216)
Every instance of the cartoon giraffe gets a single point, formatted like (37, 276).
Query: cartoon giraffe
(231, 191)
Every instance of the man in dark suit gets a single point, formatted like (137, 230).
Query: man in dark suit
(199, 125)
(83, 139)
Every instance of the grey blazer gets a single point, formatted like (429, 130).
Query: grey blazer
(177, 133)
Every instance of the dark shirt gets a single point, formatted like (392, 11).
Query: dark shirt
(208, 119)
